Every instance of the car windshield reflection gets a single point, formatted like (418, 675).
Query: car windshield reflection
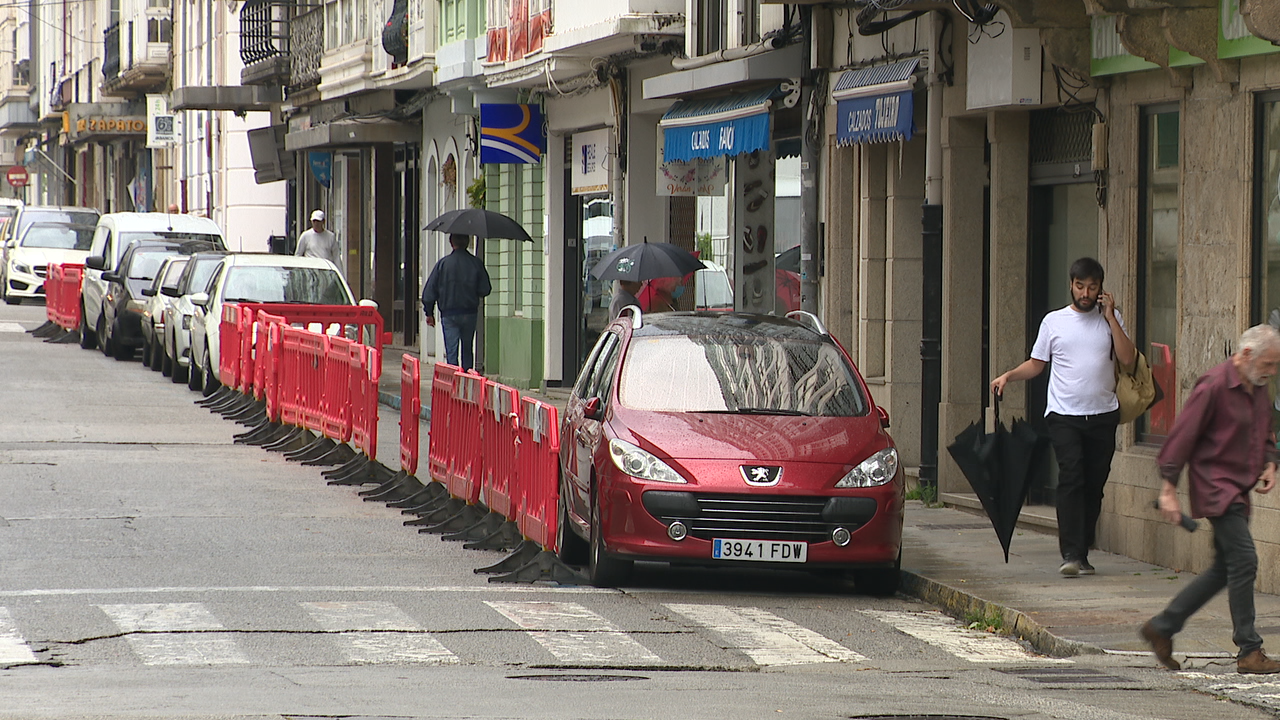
(59, 236)
(318, 286)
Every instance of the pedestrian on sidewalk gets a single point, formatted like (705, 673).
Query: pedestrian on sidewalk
(456, 284)
(1223, 437)
(1082, 412)
(624, 294)
(317, 242)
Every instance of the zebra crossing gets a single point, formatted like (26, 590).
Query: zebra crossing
(569, 633)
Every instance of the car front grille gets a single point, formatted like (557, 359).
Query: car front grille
(42, 271)
(753, 517)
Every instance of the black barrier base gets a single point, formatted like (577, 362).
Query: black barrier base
(218, 396)
(482, 528)
(466, 517)
(261, 435)
(524, 553)
(231, 403)
(450, 507)
(402, 486)
(430, 491)
(315, 448)
(297, 439)
(44, 328)
(340, 454)
(371, 472)
(253, 413)
(544, 567)
(356, 463)
(64, 337)
(428, 507)
(506, 537)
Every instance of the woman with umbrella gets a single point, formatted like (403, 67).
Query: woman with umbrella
(633, 264)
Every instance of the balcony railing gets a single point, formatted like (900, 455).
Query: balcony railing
(306, 47)
(264, 29)
(111, 53)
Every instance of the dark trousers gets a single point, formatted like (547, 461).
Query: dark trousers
(1084, 445)
(1235, 565)
(459, 335)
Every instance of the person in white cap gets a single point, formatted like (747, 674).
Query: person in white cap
(320, 243)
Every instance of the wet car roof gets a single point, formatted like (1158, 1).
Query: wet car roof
(742, 325)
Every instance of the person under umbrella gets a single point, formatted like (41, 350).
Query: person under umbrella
(456, 284)
(636, 263)
(479, 223)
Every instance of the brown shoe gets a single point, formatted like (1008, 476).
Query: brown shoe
(1257, 663)
(1162, 646)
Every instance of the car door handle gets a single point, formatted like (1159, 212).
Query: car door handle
(583, 436)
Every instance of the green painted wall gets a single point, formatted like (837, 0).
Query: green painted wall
(461, 19)
(516, 344)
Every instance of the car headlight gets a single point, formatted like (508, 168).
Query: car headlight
(875, 470)
(639, 464)
(23, 268)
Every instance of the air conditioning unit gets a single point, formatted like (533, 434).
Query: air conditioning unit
(1004, 66)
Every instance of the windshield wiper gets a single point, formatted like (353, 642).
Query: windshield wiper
(763, 411)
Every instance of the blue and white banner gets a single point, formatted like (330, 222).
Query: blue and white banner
(321, 167)
(717, 127)
(875, 119)
(511, 134)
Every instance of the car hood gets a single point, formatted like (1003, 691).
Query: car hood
(760, 438)
(49, 256)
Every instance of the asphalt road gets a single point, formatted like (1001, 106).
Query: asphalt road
(150, 568)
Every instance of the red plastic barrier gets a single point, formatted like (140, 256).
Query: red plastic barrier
(365, 369)
(500, 443)
(441, 446)
(367, 319)
(466, 470)
(410, 412)
(229, 341)
(268, 360)
(537, 487)
(62, 294)
(333, 405)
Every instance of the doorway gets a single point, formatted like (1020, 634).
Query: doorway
(407, 289)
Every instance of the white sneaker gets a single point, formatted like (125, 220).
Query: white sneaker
(1070, 568)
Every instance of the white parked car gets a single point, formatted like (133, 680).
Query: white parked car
(156, 309)
(27, 258)
(176, 341)
(256, 278)
(112, 236)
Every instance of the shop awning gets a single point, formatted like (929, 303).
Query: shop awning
(875, 104)
(719, 126)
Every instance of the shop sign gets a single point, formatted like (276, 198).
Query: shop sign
(590, 162)
(126, 125)
(161, 124)
(321, 167)
(690, 178)
(511, 134)
(875, 119)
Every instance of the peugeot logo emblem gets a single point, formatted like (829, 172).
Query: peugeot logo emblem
(761, 475)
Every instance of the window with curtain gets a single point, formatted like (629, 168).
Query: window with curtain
(1157, 277)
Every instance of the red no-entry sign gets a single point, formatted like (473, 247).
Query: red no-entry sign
(17, 176)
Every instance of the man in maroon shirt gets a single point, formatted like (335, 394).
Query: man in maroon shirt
(1223, 437)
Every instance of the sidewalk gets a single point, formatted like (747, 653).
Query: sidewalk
(951, 558)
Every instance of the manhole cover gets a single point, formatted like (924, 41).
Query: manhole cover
(579, 677)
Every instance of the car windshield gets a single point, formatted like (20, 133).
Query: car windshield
(739, 374)
(317, 286)
(8, 211)
(31, 217)
(171, 236)
(145, 265)
(713, 290)
(59, 236)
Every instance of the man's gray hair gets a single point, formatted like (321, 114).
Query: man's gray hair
(1259, 338)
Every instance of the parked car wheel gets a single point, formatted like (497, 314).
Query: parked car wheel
(573, 549)
(11, 300)
(166, 362)
(119, 350)
(157, 355)
(210, 384)
(194, 376)
(104, 342)
(602, 569)
(880, 582)
(179, 374)
(88, 338)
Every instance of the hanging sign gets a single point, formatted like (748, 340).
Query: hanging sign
(322, 167)
(511, 134)
(161, 124)
(690, 178)
(591, 162)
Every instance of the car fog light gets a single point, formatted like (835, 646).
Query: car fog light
(677, 531)
(840, 537)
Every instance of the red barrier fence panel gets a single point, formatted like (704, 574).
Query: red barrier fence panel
(248, 344)
(500, 445)
(365, 370)
(410, 412)
(537, 487)
(52, 308)
(440, 448)
(290, 367)
(311, 347)
(334, 401)
(269, 361)
(229, 334)
(468, 463)
(357, 322)
(62, 294)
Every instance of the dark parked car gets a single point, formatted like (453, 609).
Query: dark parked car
(119, 328)
(725, 439)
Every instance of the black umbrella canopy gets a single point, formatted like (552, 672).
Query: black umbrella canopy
(998, 467)
(645, 261)
(479, 223)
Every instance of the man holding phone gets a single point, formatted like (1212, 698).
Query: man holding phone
(1082, 411)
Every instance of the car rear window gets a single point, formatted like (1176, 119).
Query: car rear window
(739, 374)
(315, 286)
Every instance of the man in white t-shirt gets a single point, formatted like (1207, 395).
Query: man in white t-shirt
(1080, 343)
(320, 243)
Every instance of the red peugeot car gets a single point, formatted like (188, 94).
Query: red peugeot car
(725, 439)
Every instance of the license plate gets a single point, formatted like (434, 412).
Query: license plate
(760, 550)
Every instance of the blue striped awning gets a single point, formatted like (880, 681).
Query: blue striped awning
(875, 104)
(719, 126)
(869, 77)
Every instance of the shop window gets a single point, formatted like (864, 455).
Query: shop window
(1157, 276)
(1265, 305)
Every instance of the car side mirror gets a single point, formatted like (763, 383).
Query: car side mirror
(149, 292)
(368, 303)
(594, 409)
(169, 291)
(110, 277)
(884, 416)
(96, 262)
(201, 299)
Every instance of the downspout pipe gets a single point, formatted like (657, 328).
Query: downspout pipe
(810, 156)
(931, 316)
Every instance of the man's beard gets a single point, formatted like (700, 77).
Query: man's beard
(1084, 304)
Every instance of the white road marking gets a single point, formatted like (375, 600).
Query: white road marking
(379, 632)
(13, 649)
(164, 638)
(574, 634)
(495, 589)
(975, 646)
(766, 638)
(11, 327)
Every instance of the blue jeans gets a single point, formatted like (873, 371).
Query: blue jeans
(459, 330)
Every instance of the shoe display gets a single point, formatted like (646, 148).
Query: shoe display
(1257, 663)
(1161, 645)
(1070, 568)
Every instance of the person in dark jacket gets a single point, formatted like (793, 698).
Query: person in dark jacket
(456, 284)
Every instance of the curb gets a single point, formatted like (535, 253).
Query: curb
(960, 604)
(393, 401)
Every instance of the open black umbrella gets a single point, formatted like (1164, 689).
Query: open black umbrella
(479, 223)
(998, 467)
(645, 261)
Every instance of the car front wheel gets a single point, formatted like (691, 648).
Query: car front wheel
(572, 550)
(211, 383)
(880, 582)
(603, 570)
(194, 375)
(88, 338)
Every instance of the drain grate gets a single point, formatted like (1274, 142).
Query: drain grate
(957, 526)
(578, 677)
(1066, 675)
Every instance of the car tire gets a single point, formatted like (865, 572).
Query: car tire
(88, 338)
(179, 373)
(603, 570)
(11, 300)
(195, 376)
(104, 342)
(119, 350)
(157, 356)
(211, 383)
(166, 363)
(879, 582)
(573, 550)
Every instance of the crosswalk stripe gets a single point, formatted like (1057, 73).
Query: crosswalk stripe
(975, 646)
(574, 634)
(11, 327)
(379, 632)
(13, 649)
(175, 634)
(766, 638)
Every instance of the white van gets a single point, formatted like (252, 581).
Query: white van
(112, 237)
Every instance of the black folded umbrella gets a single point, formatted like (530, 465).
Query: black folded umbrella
(998, 467)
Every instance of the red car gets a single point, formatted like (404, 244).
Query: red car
(726, 439)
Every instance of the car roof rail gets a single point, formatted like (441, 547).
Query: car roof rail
(637, 316)
(807, 318)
